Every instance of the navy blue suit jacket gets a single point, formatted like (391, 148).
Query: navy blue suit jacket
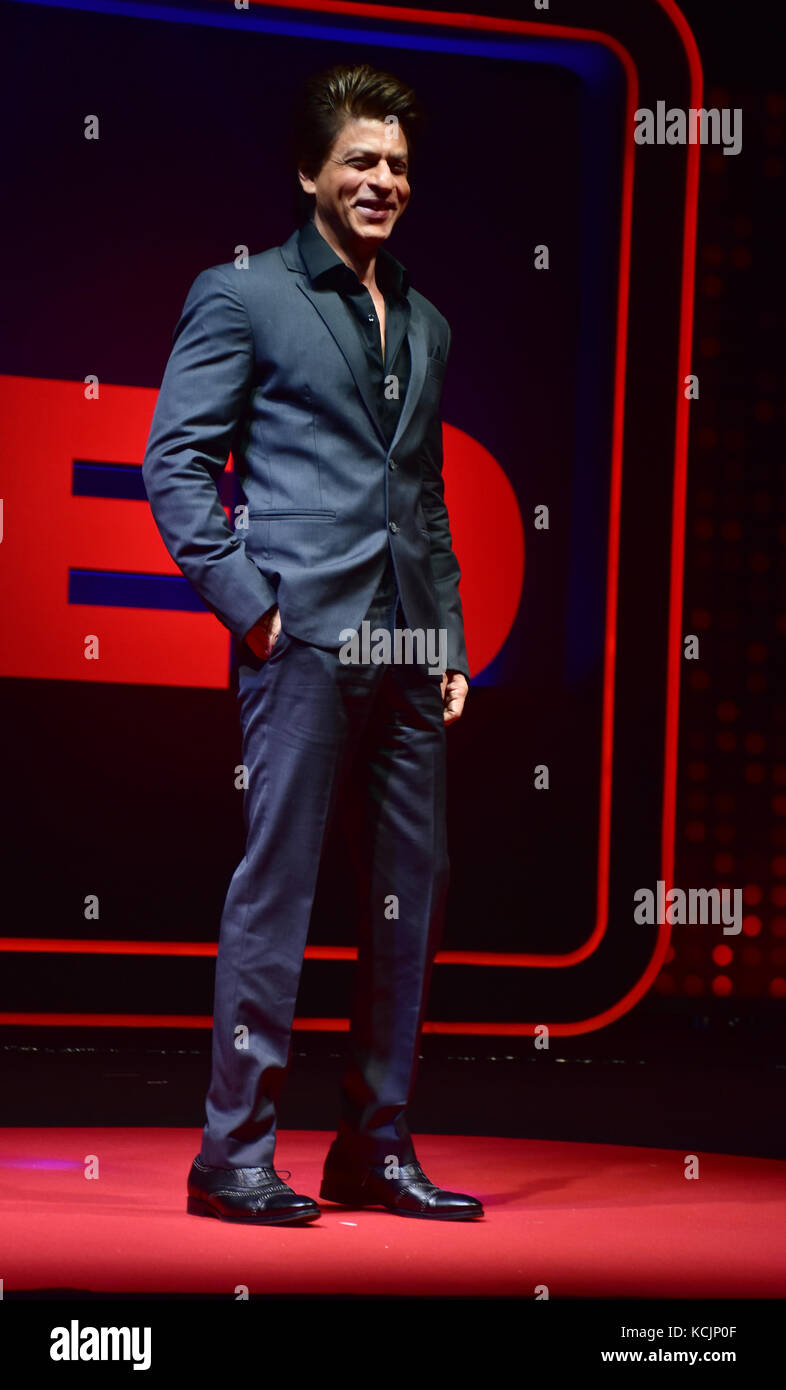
(270, 369)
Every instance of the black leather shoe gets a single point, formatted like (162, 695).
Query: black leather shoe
(255, 1195)
(409, 1193)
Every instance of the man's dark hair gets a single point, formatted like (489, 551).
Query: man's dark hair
(328, 99)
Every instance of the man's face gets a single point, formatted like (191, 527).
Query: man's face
(362, 189)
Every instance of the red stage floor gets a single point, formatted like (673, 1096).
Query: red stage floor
(587, 1220)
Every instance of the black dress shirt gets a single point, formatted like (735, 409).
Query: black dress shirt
(387, 378)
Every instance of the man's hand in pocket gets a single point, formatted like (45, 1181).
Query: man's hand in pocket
(262, 636)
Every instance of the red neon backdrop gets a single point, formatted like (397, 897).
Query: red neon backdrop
(47, 424)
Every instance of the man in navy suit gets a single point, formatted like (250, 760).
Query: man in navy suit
(320, 368)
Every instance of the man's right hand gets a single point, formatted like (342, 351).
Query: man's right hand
(262, 636)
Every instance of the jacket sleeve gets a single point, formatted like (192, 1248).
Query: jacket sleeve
(444, 565)
(200, 406)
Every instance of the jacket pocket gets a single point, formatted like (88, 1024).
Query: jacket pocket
(280, 513)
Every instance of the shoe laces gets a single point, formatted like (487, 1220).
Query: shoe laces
(274, 1180)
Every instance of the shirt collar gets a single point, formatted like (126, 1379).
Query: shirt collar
(320, 259)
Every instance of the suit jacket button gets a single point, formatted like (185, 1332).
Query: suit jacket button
(392, 463)
(393, 526)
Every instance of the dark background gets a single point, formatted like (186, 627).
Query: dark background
(134, 800)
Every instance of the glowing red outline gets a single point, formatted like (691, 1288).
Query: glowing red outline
(73, 946)
(521, 959)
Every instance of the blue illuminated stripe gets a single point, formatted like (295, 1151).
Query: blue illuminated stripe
(92, 478)
(114, 589)
(589, 59)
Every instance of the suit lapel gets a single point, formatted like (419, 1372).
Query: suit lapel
(334, 316)
(416, 337)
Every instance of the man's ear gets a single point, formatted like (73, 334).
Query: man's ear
(306, 183)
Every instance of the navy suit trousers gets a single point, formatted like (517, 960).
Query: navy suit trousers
(312, 729)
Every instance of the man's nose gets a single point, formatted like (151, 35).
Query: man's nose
(381, 175)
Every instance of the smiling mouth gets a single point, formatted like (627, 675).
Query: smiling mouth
(375, 209)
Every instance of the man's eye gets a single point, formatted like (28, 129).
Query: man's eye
(370, 164)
